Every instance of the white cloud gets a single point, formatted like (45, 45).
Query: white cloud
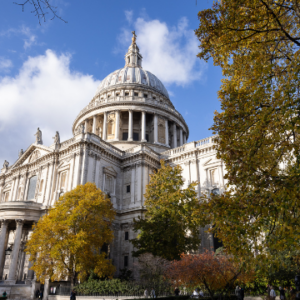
(5, 64)
(30, 38)
(45, 94)
(129, 15)
(168, 52)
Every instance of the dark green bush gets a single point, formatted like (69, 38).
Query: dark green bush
(113, 286)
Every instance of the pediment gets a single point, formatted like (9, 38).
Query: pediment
(65, 163)
(33, 153)
(7, 186)
(110, 170)
(211, 162)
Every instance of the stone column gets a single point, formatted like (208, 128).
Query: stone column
(104, 126)
(117, 131)
(139, 182)
(15, 252)
(11, 196)
(184, 138)
(30, 273)
(94, 124)
(86, 122)
(3, 234)
(143, 137)
(130, 127)
(174, 135)
(166, 132)
(16, 188)
(180, 137)
(155, 129)
(132, 186)
(33, 284)
(104, 177)
(46, 288)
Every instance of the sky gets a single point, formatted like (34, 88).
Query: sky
(50, 71)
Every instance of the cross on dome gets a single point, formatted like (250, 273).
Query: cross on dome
(133, 58)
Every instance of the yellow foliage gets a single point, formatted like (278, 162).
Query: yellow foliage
(66, 242)
(256, 42)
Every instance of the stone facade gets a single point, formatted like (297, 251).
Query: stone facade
(118, 141)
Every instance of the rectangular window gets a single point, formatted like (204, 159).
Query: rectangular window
(125, 261)
(128, 189)
(32, 187)
(145, 96)
(127, 94)
(125, 136)
(136, 136)
(63, 180)
(154, 97)
(136, 94)
(147, 137)
(126, 236)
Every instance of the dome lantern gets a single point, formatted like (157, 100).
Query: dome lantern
(133, 58)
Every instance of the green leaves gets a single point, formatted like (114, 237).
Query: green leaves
(170, 226)
(257, 44)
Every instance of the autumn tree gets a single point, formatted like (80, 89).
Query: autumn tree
(169, 227)
(256, 43)
(67, 241)
(213, 273)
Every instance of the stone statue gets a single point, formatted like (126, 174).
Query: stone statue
(38, 137)
(56, 138)
(82, 128)
(133, 37)
(21, 152)
(6, 164)
(100, 132)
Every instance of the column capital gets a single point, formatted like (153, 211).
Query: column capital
(4, 222)
(19, 222)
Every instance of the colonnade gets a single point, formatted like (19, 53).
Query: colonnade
(174, 129)
(14, 255)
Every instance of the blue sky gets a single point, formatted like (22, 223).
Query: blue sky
(49, 72)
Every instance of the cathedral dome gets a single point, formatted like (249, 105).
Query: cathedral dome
(132, 107)
(136, 75)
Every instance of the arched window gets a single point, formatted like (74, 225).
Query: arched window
(215, 191)
(32, 187)
(110, 127)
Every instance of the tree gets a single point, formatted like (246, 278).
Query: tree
(40, 9)
(214, 273)
(256, 43)
(151, 273)
(67, 241)
(170, 226)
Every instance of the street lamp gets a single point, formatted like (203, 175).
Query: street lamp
(8, 251)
